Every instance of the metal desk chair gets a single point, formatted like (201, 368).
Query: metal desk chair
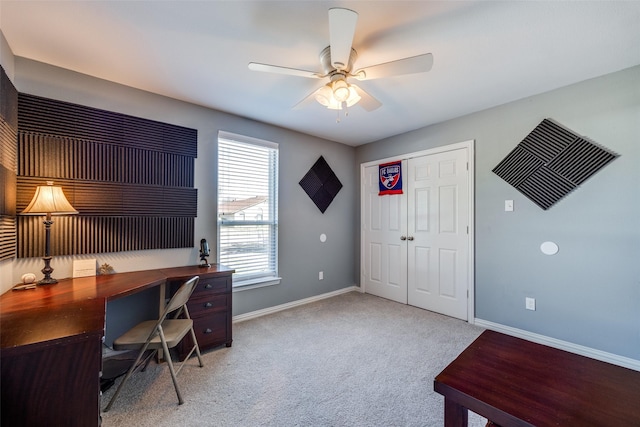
(161, 334)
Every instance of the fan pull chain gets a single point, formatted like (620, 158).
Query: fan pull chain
(346, 111)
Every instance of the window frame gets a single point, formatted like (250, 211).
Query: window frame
(270, 277)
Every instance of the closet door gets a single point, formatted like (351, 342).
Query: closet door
(416, 246)
(437, 232)
(384, 252)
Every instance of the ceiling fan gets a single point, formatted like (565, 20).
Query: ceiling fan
(337, 62)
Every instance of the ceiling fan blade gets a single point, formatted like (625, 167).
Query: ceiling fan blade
(414, 64)
(342, 27)
(307, 100)
(367, 101)
(284, 70)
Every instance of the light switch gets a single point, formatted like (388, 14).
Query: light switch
(530, 303)
(508, 205)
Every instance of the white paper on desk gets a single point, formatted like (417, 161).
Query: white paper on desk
(84, 267)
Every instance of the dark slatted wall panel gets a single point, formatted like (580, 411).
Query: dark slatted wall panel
(97, 234)
(131, 179)
(68, 158)
(98, 199)
(7, 237)
(8, 160)
(517, 166)
(551, 162)
(51, 117)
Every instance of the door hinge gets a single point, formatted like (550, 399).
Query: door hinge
(467, 229)
(467, 165)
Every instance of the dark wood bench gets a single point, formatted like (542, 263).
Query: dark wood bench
(514, 382)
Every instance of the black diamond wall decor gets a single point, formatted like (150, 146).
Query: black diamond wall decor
(551, 162)
(321, 184)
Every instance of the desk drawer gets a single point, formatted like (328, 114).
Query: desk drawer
(212, 330)
(213, 285)
(200, 305)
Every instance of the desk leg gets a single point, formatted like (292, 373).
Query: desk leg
(162, 304)
(163, 295)
(455, 415)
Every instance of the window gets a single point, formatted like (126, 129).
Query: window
(248, 208)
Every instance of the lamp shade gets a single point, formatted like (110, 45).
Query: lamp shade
(49, 199)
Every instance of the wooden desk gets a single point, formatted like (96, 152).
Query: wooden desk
(514, 382)
(51, 344)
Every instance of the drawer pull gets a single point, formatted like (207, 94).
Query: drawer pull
(207, 331)
(208, 305)
(208, 286)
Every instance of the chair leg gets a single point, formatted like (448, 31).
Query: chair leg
(170, 363)
(126, 377)
(193, 336)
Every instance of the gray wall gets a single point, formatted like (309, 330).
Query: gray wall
(301, 254)
(587, 294)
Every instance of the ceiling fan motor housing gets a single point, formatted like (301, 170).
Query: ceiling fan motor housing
(328, 67)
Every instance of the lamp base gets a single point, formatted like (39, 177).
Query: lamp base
(47, 270)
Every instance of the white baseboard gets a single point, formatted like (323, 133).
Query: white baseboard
(562, 345)
(281, 307)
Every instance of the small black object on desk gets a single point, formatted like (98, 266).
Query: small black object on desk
(204, 253)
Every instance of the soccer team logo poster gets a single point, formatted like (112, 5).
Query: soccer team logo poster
(390, 178)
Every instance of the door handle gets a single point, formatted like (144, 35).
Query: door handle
(403, 237)
(410, 238)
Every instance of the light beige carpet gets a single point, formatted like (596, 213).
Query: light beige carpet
(350, 360)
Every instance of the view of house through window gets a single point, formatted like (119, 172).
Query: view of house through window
(248, 208)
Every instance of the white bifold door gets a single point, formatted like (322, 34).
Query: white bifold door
(416, 245)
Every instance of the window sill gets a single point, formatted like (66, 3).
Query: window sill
(262, 282)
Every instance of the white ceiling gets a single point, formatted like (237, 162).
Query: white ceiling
(486, 53)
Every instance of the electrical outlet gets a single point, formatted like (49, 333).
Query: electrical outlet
(530, 303)
(321, 275)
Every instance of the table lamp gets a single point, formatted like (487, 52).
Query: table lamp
(49, 200)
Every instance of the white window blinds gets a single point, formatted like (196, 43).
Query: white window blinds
(248, 207)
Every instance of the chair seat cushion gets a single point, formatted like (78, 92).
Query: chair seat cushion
(174, 330)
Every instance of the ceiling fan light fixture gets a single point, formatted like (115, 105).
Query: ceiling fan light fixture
(334, 104)
(340, 90)
(354, 97)
(337, 95)
(324, 96)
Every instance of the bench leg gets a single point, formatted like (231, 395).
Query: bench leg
(455, 415)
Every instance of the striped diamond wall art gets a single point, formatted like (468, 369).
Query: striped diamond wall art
(321, 184)
(551, 162)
